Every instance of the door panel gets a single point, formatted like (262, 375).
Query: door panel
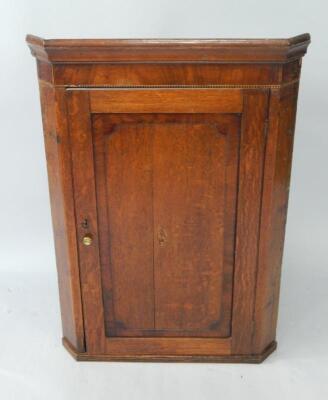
(166, 190)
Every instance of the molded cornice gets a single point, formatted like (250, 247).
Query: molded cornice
(168, 50)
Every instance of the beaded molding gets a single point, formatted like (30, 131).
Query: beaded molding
(211, 86)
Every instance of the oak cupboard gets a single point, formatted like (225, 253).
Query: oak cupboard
(169, 166)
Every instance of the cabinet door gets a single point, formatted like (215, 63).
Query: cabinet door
(156, 183)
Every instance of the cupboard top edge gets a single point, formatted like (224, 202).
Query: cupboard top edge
(168, 50)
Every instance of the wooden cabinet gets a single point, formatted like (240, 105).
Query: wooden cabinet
(169, 165)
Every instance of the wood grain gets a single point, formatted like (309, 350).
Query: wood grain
(166, 209)
(192, 222)
(62, 209)
(253, 139)
(100, 74)
(168, 50)
(85, 210)
(231, 358)
(274, 213)
(123, 157)
(166, 101)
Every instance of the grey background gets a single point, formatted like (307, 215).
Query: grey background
(32, 363)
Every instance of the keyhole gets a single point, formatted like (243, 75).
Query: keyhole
(162, 236)
(85, 223)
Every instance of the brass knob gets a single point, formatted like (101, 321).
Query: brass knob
(87, 240)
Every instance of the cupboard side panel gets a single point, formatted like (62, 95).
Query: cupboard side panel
(252, 147)
(274, 212)
(62, 209)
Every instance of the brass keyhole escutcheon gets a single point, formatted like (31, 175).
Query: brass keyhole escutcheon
(87, 240)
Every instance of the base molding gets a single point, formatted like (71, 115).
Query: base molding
(233, 358)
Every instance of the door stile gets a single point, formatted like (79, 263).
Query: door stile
(80, 131)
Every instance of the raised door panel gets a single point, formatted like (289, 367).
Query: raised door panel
(166, 192)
